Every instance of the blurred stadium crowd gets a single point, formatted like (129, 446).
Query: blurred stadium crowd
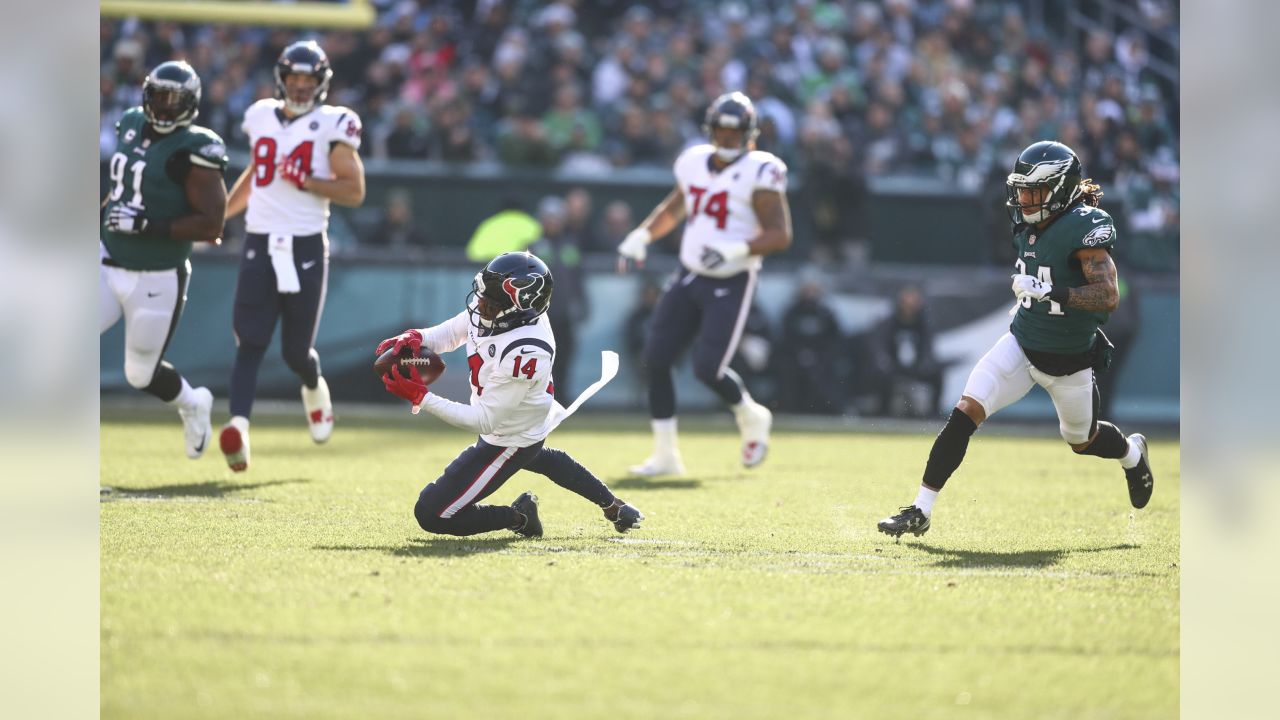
(848, 92)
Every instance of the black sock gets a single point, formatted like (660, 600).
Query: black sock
(569, 474)
(729, 387)
(948, 449)
(1109, 443)
(166, 383)
(244, 378)
(662, 392)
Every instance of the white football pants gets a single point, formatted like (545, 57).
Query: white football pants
(1005, 374)
(151, 302)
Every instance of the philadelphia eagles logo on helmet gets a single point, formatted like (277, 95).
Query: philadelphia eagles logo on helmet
(171, 96)
(1050, 168)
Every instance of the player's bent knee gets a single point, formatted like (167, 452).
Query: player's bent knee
(429, 519)
(1079, 440)
(973, 409)
(139, 374)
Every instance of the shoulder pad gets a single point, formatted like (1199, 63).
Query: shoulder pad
(207, 149)
(1089, 227)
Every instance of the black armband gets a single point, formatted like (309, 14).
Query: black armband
(1059, 294)
(159, 226)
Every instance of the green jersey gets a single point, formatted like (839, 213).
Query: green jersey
(148, 172)
(1047, 326)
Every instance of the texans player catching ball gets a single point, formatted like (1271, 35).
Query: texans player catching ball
(510, 348)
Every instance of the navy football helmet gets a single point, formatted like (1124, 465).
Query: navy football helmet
(516, 290)
(171, 96)
(736, 111)
(304, 57)
(1046, 165)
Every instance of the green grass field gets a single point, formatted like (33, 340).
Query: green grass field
(305, 589)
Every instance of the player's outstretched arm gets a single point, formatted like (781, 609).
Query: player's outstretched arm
(774, 215)
(347, 185)
(207, 195)
(1102, 293)
(661, 221)
(238, 199)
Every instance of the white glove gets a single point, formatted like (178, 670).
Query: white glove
(635, 246)
(1032, 287)
(127, 220)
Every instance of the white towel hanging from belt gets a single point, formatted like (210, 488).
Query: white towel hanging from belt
(281, 249)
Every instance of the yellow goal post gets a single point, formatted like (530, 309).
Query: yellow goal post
(349, 14)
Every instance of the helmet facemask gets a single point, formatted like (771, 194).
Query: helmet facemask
(735, 112)
(171, 97)
(308, 59)
(1053, 170)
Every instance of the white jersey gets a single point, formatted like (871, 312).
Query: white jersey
(277, 205)
(511, 392)
(717, 205)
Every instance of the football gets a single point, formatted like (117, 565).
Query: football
(430, 365)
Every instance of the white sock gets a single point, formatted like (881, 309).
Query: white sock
(924, 500)
(186, 397)
(240, 422)
(664, 435)
(1131, 458)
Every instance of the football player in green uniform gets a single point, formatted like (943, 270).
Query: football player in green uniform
(1066, 288)
(166, 192)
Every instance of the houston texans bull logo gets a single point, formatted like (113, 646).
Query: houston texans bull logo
(524, 297)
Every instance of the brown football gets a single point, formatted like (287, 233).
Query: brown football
(430, 365)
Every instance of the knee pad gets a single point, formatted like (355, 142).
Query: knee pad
(139, 371)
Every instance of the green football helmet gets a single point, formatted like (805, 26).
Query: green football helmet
(171, 96)
(1046, 165)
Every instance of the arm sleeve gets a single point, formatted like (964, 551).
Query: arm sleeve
(772, 176)
(520, 372)
(346, 129)
(486, 411)
(448, 335)
(209, 152)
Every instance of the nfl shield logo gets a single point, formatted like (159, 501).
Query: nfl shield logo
(1032, 239)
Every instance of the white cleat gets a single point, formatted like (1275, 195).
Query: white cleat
(319, 411)
(196, 428)
(754, 423)
(235, 443)
(657, 465)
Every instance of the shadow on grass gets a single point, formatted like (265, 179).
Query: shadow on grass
(433, 546)
(635, 483)
(951, 558)
(209, 489)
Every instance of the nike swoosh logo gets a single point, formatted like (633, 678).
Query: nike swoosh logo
(200, 447)
(153, 294)
(1098, 220)
(307, 265)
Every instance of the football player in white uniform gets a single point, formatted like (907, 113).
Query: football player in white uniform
(510, 349)
(734, 203)
(305, 154)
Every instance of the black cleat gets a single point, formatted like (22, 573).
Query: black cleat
(1141, 481)
(527, 505)
(624, 517)
(911, 520)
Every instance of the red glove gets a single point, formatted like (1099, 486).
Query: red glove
(409, 388)
(412, 338)
(294, 173)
